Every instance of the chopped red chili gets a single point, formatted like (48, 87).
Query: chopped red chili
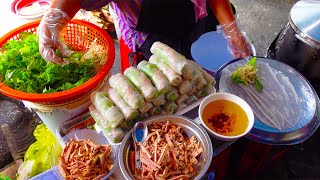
(221, 122)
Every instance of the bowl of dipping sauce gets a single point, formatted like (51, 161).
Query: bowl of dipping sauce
(226, 116)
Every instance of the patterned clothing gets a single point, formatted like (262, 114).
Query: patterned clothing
(128, 13)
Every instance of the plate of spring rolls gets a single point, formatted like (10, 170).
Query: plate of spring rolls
(165, 84)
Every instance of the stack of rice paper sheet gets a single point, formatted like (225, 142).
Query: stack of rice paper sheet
(168, 82)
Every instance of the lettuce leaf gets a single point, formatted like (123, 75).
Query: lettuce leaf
(22, 68)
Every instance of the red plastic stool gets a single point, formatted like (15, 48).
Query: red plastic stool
(127, 56)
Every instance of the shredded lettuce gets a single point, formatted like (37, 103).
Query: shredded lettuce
(22, 68)
(247, 74)
(38, 156)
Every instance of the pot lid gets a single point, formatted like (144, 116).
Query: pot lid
(305, 19)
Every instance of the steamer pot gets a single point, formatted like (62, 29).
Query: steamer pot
(298, 44)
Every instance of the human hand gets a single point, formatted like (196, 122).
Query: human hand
(51, 25)
(238, 43)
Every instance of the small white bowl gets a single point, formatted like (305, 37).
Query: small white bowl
(229, 97)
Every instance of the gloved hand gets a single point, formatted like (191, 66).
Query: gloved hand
(51, 25)
(238, 43)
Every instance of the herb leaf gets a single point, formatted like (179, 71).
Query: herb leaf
(247, 74)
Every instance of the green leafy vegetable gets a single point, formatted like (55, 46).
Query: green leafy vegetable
(2, 177)
(22, 68)
(38, 156)
(247, 74)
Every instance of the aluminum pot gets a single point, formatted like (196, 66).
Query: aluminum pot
(189, 127)
(298, 44)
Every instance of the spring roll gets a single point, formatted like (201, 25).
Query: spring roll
(97, 117)
(191, 100)
(193, 90)
(197, 75)
(115, 134)
(209, 89)
(173, 77)
(209, 79)
(181, 106)
(170, 107)
(185, 87)
(201, 93)
(127, 125)
(159, 101)
(175, 60)
(158, 79)
(106, 108)
(182, 98)
(154, 111)
(201, 83)
(126, 90)
(172, 95)
(142, 83)
(145, 108)
(128, 112)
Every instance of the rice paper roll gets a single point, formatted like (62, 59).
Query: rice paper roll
(127, 125)
(193, 90)
(159, 101)
(201, 83)
(201, 93)
(209, 89)
(187, 72)
(191, 100)
(185, 87)
(175, 60)
(172, 95)
(97, 117)
(209, 79)
(145, 115)
(106, 108)
(197, 75)
(142, 83)
(115, 134)
(140, 117)
(126, 90)
(181, 106)
(174, 78)
(128, 112)
(170, 107)
(158, 79)
(182, 98)
(154, 111)
(145, 108)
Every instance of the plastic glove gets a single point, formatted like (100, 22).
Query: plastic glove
(238, 43)
(51, 25)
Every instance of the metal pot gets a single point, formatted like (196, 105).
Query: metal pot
(298, 44)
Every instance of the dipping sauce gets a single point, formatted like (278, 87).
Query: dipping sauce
(225, 117)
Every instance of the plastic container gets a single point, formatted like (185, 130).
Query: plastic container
(79, 35)
(30, 9)
(54, 108)
(82, 134)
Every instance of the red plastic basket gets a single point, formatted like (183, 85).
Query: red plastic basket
(79, 35)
